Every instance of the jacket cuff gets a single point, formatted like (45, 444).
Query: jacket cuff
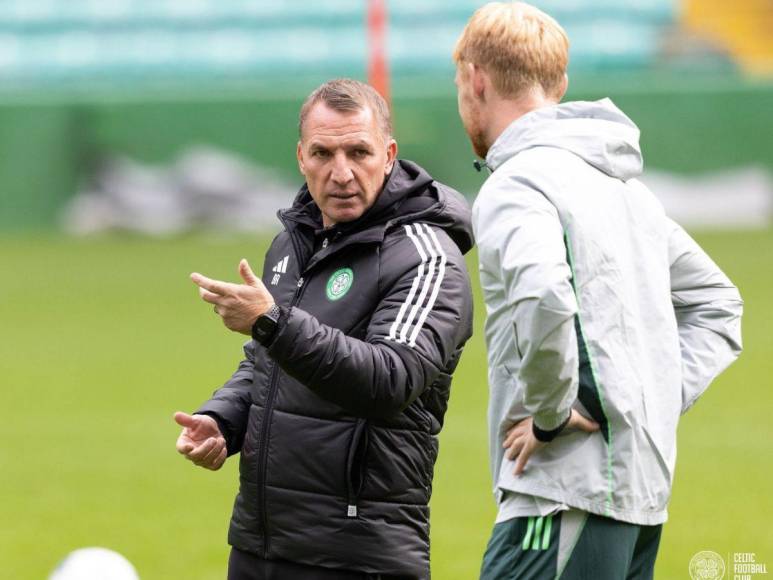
(284, 336)
(547, 435)
(224, 429)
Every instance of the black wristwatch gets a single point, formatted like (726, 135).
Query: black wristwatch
(264, 327)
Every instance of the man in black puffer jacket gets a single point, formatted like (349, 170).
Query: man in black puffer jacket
(337, 407)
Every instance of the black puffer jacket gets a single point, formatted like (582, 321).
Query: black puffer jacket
(337, 420)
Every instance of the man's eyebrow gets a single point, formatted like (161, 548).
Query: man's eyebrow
(360, 144)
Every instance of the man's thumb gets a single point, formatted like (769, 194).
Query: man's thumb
(185, 420)
(247, 274)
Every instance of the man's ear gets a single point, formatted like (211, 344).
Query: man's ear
(299, 157)
(391, 156)
(478, 80)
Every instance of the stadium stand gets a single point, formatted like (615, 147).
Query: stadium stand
(52, 42)
(84, 79)
(743, 26)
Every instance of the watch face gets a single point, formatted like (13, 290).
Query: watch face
(265, 324)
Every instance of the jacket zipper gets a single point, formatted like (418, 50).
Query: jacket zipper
(267, 411)
(355, 467)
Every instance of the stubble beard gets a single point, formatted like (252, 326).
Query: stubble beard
(479, 144)
(476, 134)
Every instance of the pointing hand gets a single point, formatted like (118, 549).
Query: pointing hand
(239, 305)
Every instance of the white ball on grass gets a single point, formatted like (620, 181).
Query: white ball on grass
(94, 564)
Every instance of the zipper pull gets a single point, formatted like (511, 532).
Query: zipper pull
(324, 243)
(351, 511)
(300, 282)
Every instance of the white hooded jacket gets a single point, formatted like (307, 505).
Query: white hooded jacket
(595, 300)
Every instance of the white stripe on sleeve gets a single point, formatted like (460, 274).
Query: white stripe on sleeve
(435, 290)
(414, 285)
(427, 284)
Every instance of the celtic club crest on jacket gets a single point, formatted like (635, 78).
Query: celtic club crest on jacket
(339, 283)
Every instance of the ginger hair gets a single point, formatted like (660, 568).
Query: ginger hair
(518, 45)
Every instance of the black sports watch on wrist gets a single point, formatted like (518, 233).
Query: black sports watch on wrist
(264, 327)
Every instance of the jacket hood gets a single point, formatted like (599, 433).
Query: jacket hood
(597, 131)
(409, 194)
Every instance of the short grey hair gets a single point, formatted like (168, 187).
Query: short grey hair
(349, 95)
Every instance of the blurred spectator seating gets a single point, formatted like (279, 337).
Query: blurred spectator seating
(744, 28)
(54, 41)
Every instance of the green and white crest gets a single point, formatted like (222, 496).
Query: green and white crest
(339, 283)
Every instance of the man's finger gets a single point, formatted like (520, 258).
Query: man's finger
(517, 430)
(222, 457)
(523, 457)
(184, 446)
(216, 286)
(512, 435)
(210, 297)
(218, 463)
(202, 450)
(201, 453)
(209, 459)
(186, 420)
(514, 450)
(247, 274)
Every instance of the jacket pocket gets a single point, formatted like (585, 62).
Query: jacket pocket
(355, 466)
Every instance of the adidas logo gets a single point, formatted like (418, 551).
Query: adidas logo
(279, 269)
(281, 266)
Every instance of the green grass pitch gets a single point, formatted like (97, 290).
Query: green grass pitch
(102, 340)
